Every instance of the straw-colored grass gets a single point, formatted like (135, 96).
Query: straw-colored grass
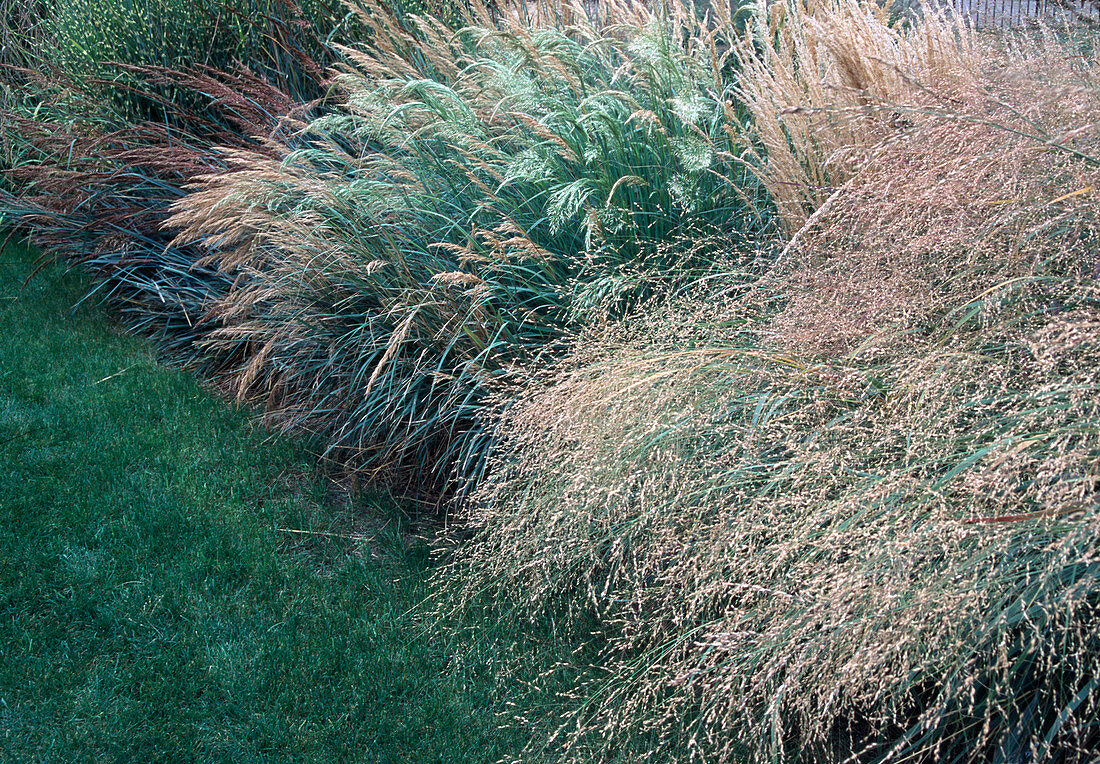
(826, 78)
(849, 511)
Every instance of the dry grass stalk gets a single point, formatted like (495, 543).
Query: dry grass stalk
(837, 79)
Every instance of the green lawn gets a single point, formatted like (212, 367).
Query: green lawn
(152, 607)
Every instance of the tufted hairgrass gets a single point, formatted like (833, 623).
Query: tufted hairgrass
(847, 511)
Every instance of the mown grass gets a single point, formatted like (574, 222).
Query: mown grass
(151, 607)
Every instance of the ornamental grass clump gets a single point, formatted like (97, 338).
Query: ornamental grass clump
(848, 511)
(474, 197)
(108, 109)
(91, 185)
(22, 32)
